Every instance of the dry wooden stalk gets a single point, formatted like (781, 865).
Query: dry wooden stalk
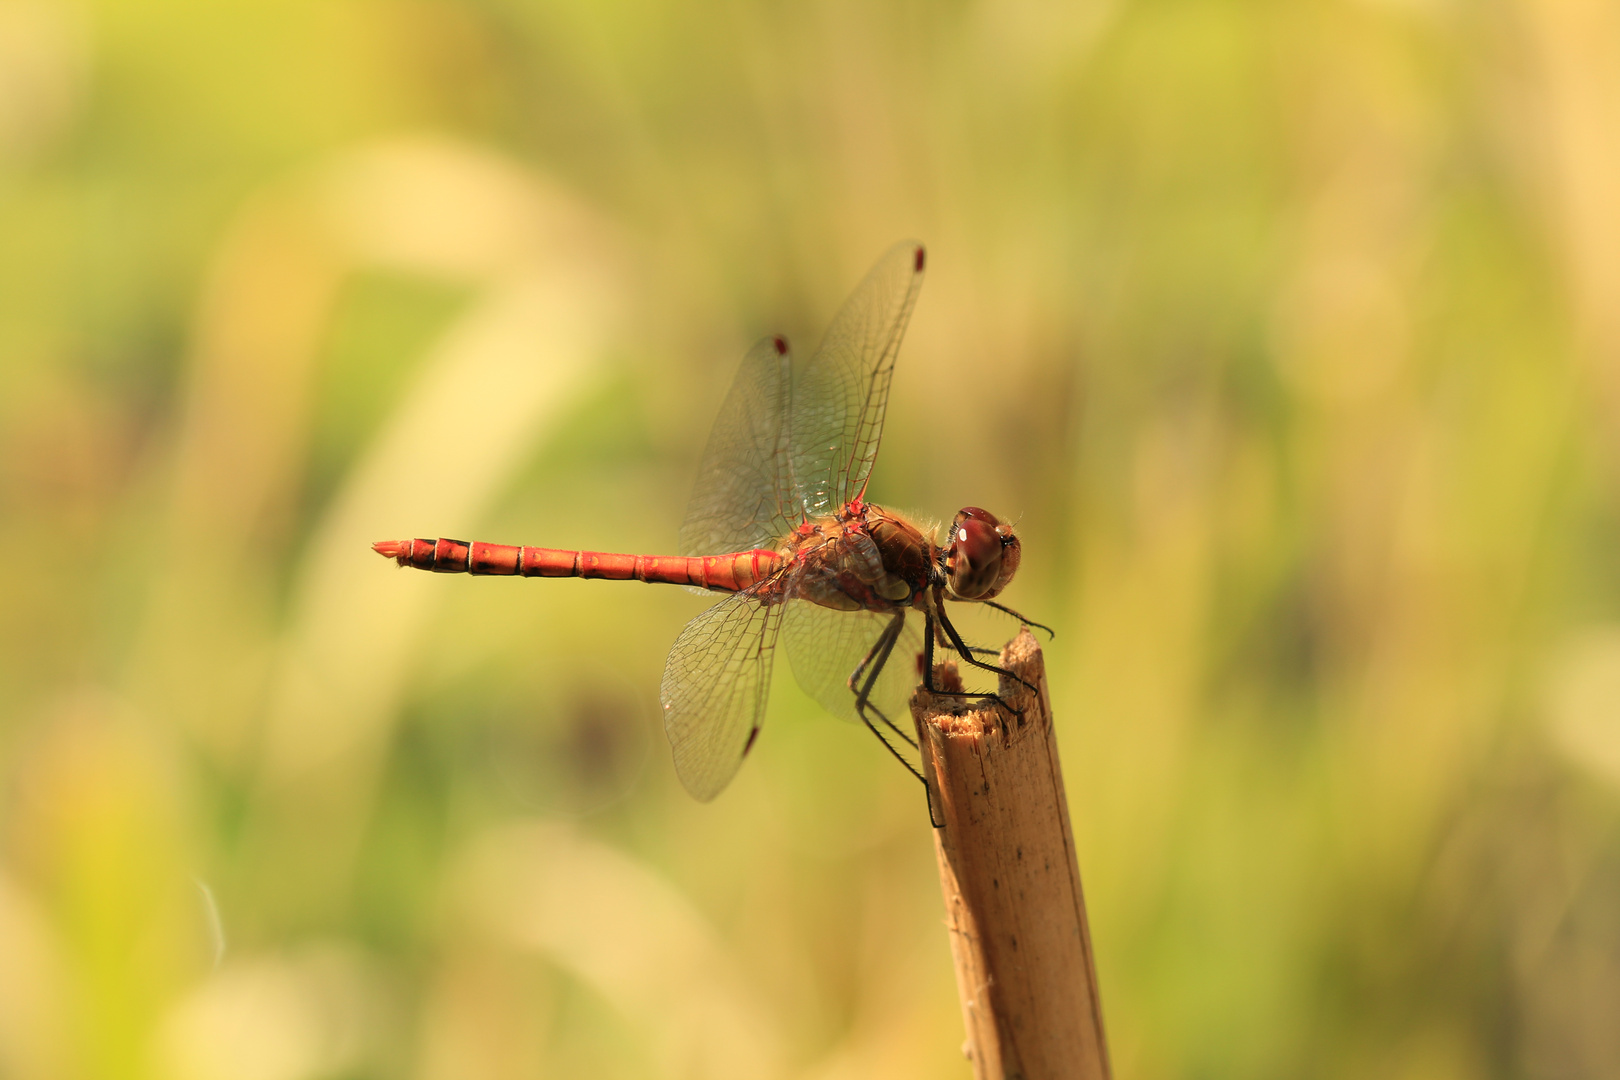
(1007, 864)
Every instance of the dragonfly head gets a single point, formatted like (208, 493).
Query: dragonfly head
(982, 555)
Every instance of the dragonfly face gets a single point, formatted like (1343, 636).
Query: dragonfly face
(982, 555)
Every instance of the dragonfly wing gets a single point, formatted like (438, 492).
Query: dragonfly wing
(840, 393)
(715, 684)
(743, 491)
(825, 647)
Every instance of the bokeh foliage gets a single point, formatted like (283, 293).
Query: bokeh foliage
(1290, 331)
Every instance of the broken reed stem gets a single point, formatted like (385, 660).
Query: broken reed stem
(1013, 906)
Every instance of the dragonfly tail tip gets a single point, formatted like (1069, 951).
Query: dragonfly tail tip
(389, 549)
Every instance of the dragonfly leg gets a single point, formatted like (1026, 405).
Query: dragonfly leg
(871, 666)
(939, 691)
(1004, 609)
(887, 745)
(966, 654)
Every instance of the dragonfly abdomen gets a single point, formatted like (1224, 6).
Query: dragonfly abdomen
(731, 572)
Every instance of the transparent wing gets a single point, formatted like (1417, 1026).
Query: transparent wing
(840, 394)
(715, 684)
(825, 647)
(743, 492)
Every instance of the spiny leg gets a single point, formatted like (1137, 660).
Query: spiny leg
(981, 651)
(872, 665)
(887, 745)
(967, 654)
(930, 636)
(1004, 609)
(928, 671)
(877, 658)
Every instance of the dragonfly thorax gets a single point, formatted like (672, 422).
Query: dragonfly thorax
(981, 555)
(862, 558)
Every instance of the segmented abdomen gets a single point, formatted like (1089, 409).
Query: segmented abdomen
(724, 573)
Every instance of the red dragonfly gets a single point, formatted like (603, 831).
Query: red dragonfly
(779, 521)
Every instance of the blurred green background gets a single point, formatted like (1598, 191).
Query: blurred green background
(1290, 331)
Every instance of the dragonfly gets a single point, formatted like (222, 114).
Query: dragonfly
(779, 522)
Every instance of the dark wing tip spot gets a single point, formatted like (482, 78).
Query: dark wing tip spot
(922, 255)
(754, 734)
(781, 344)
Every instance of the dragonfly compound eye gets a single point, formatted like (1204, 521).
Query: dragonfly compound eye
(982, 555)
